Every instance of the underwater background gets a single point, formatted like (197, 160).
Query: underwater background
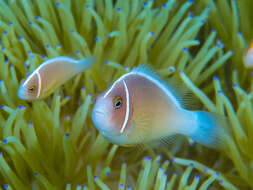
(53, 144)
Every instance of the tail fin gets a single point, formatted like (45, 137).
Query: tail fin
(85, 63)
(211, 130)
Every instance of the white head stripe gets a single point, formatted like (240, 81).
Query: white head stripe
(127, 108)
(39, 84)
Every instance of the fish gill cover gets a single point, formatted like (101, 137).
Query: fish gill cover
(52, 143)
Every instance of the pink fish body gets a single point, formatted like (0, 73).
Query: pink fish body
(139, 107)
(50, 74)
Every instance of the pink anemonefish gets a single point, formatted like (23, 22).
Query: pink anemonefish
(50, 75)
(139, 108)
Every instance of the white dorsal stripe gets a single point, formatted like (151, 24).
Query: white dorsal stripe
(127, 108)
(39, 84)
(163, 87)
(28, 79)
(47, 62)
(110, 89)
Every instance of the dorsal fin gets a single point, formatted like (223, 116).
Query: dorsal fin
(187, 98)
(174, 85)
(147, 70)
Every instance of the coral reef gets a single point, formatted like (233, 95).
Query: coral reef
(52, 143)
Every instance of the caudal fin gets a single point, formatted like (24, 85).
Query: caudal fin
(85, 63)
(212, 130)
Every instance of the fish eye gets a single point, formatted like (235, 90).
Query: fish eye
(117, 102)
(31, 89)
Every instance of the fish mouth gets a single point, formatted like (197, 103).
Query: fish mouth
(21, 93)
(99, 112)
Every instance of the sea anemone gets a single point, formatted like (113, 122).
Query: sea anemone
(52, 143)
